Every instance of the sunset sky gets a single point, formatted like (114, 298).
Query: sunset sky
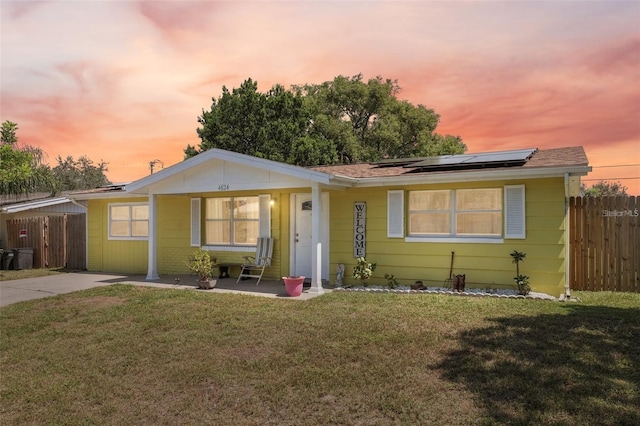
(124, 81)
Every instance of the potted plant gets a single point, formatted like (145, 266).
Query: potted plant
(203, 265)
(293, 285)
(522, 281)
(363, 270)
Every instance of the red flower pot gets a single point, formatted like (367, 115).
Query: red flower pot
(293, 285)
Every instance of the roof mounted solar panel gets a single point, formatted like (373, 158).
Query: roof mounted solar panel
(473, 161)
(397, 162)
(442, 160)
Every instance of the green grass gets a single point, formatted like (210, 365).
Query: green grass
(28, 273)
(135, 355)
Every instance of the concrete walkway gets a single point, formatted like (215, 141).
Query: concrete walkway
(36, 288)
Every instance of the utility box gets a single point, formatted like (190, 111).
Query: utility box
(23, 258)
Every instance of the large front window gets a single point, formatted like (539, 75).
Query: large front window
(456, 213)
(232, 220)
(129, 221)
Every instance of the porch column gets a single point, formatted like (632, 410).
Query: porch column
(152, 268)
(316, 232)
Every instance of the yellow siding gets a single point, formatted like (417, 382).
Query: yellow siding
(485, 265)
(174, 234)
(122, 256)
(174, 230)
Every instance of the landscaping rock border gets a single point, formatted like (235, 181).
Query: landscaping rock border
(473, 292)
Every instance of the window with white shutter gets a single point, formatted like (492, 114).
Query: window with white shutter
(514, 217)
(395, 214)
(195, 222)
(265, 216)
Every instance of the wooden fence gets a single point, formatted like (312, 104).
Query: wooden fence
(604, 245)
(57, 241)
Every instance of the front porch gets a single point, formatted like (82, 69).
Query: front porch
(266, 288)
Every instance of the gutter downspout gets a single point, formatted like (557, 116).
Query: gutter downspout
(567, 239)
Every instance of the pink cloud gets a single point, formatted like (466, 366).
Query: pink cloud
(501, 75)
(18, 9)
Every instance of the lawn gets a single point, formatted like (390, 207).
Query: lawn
(8, 275)
(136, 355)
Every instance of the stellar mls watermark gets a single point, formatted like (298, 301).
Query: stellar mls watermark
(620, 213)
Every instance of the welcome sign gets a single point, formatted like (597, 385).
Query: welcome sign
(359, 229)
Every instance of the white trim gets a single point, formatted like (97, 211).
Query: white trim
(292, 232)
(116, 238)
(196, 222)
(232, 219)
(325, 238)
(142, 185)
(264, 221)
(453, 215)
(395, 213)
(38, 204)
(467, 176)
(243, 249)
(152, 269)
(463, 240)
(515, 215)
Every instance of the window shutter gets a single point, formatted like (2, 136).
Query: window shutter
(514, 216)
(195, 222)
(265, 216)
(395, 214)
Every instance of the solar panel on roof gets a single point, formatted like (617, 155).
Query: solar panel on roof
(443, 160)
(395, 162)
(470, 161)
(460, 161)
(519, 155)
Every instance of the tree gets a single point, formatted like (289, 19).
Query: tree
(269, 125)
(8, 133)
(81, 174)
(341, 121)
(22, 170)
(382, 126)
(604, 189)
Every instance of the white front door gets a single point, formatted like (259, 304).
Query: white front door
(301, 235)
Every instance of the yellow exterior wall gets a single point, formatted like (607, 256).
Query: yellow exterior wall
(174, 233)
(485, 265)
(122, 256)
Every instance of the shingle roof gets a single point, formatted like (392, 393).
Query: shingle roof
(547, 158)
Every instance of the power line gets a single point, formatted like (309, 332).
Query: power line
(618, 178)
(616, 165)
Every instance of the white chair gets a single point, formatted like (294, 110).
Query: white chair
(254, 266)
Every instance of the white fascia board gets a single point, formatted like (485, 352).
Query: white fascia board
(170, 171)
(141, 186)
(16, 208)
(286, 169)
(456, 177)
(104, 195)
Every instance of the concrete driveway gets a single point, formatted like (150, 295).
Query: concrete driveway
(51, 285)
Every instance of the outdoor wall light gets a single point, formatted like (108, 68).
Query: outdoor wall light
(272, 202)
